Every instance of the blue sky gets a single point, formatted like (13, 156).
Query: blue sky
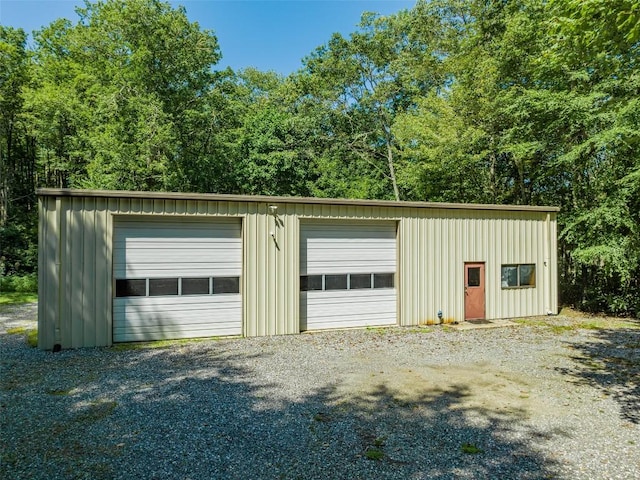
(265, 34)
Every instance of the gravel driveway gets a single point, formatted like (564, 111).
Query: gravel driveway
(532, 401)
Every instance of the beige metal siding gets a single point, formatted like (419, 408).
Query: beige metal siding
(270, 265)
(435, 244)
(76, 241)
(48, 271)
(74, 273)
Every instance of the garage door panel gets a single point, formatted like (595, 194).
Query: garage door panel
(347, 248)
(148, 248)
(335, 229)
(369, 295)
(187, 250)
(166, 227)
(171, 270)
(147, 334)
(182, 319)
(214, 304)
(138, 253)
(351, 266)
(345, 311)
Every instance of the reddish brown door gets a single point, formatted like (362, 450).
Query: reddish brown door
(473, 291)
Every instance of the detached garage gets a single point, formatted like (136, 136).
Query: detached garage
(120, 266)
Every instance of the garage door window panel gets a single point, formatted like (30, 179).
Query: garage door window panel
(383, 280)
(131, 287)
(360, 280)
(335, 282)
(226, 285)
(195, 286)
(310, 283)
(163, 286)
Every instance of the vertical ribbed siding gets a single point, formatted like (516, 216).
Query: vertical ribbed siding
(75, 261)
(435, 244)
(48, 271)
(85, 274)
(271, 264)
(552, 281)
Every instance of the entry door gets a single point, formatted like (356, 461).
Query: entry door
(474, 296)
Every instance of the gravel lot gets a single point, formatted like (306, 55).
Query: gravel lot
(543, 399)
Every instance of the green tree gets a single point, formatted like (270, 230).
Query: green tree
(118, 94)
(18, 172)
(365, 81)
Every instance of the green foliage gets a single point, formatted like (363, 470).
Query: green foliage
(363, 83)
(470, 449)
(13, 298)
(114, 93)
(32, 338)
(374, 453)
(30, 335)
(19, 284)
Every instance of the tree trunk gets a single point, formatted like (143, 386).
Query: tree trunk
(392, 170)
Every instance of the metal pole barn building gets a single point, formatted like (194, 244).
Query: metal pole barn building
(118, 266)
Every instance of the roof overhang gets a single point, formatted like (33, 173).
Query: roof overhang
(216, 197)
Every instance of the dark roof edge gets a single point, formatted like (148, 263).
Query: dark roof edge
(68, 192)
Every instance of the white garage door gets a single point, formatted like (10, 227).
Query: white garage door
(177, 278)
(347, 274)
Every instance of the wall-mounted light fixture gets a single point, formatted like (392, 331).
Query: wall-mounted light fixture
(273, 209)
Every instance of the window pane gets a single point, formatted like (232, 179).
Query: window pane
(195, 286)
(473, 276)
(131, 288)
(335, 282)
(163, 286)
(360, 280)
(310, 282)
(226, 285)
(527, 275)
(509, 276)
(383, 280)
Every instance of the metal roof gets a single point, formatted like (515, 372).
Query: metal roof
(67, 192)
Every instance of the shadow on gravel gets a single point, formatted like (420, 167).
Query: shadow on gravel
(611, 362)
(212, 412)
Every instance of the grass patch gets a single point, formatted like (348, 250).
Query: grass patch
(59, 392)
(567, 324)
(374, 453)
(31, 334)
(379, 442)
(380, 330)
(420, 329)
(470, 449)
(125, 347)
(321, 417)
(17, 298)
(32, 338)
(16, 330)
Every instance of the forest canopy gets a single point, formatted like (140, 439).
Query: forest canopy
(532, 102)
